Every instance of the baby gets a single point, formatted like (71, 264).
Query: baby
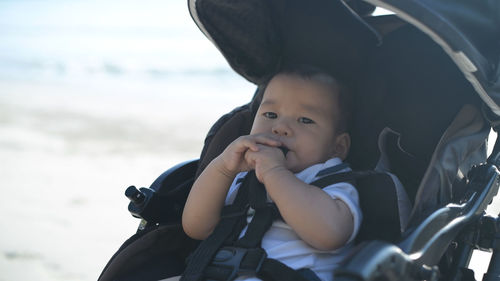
(304, 110)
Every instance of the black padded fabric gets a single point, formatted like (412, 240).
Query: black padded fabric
(228, 128)
(471, 29)
(152, 254)
(414, 91)
(257, 37)
(231, 25)
(380, 216)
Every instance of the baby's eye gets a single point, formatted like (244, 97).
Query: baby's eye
(270, 115)
(306, 120)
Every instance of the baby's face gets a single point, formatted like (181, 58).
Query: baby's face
(302, 113)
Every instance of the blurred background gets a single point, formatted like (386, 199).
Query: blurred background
(96, 96)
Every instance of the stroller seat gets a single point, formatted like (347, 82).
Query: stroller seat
(417, 121)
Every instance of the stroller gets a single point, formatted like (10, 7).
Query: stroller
(426, 87)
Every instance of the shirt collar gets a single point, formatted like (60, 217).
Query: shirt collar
(333, 165)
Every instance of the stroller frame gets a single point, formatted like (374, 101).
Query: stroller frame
(464, 227)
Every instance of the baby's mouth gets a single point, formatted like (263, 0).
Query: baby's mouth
(284, 149)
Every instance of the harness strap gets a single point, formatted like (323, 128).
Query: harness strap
(253, 262)
(265, 214)
(257, 194)
(231, 262)
(350, 177)
(198, 259)
(260, 223)
(231, 223)
(275, 270)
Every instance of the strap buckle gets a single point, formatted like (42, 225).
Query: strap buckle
(239, 261)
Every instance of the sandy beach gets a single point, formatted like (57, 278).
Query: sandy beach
(66, 161)
(95, 96)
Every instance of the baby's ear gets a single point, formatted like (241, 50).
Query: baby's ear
(342, 145)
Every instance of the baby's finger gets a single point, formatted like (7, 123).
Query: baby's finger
(267, 139)
(250, 159)
(249, 143)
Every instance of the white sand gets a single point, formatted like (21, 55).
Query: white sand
(67, 154)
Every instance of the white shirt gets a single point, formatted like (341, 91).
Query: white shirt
(283, 244)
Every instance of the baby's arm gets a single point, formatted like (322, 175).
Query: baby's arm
(318, 219)
(206, 198)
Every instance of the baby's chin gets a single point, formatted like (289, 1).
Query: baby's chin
(294, 168)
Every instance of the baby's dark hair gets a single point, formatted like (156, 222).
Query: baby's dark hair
(344, 96)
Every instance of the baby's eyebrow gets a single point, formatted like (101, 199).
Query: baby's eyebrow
(268, 102)
(307, 108)
(314, 110)
(311, 108)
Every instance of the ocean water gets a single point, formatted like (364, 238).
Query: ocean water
(146, 50)
(100, 39)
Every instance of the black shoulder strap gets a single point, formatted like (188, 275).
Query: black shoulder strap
(265, 214)
(232, 221)
(350, 176)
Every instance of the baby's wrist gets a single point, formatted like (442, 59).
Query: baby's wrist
(273, 173)
(222, 169)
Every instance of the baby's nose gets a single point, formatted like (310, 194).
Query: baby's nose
(280, 132)
(282, 129)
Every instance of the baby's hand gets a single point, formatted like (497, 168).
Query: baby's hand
(232, 160)
(267, 159)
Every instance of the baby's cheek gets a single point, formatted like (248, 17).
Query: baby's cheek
(292, 163)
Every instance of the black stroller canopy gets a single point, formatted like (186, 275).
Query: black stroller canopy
(257, 36)
(468, 31)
